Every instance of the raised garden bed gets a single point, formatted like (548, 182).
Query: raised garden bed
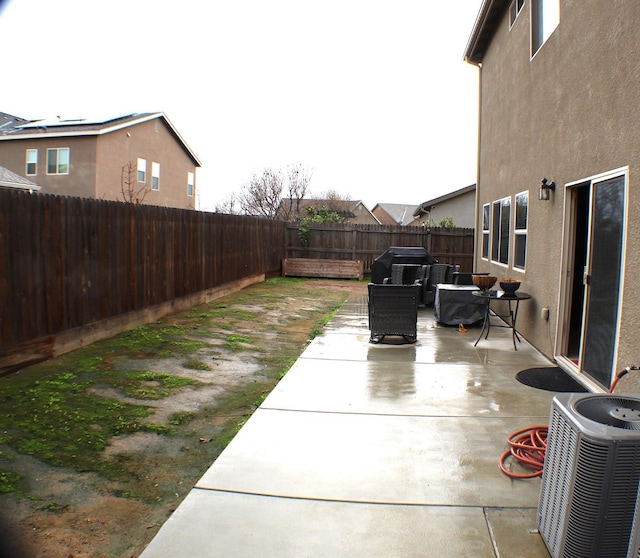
(330, 269)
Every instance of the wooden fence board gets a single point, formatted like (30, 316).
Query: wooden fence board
(67, 263)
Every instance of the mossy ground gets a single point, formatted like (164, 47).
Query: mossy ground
(134, 421)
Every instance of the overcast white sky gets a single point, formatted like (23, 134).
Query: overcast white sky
(373, 96)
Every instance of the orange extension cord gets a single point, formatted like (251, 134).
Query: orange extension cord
(528, 446)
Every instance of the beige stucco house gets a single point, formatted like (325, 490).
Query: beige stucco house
(351, 211)
(459, 206)
(559, 91)
(135, 158)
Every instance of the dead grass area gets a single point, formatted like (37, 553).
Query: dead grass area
(189, 381)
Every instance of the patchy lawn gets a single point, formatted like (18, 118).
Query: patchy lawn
(99, 446)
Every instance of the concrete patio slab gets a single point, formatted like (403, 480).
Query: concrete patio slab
(407, 388)
(365, 450)
(247, 526)
(364, 458)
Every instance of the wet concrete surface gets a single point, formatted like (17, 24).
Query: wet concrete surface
(387, 450)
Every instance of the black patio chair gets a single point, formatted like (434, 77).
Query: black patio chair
(393, 310)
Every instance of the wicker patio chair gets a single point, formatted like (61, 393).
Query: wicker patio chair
(438, 273)
(393, 310)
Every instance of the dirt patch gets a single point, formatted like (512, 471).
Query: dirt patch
(184, 386)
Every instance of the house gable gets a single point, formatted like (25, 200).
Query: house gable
(103, 156)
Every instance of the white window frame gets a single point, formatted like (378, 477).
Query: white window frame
(486, 231)
(191, 180)
(498, 235)
(31, 158)
(545, 17)
(141, 173)
(60, 168)
(515, 9)
(155, 176)
(520, 234)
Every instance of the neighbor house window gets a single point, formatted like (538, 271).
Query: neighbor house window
(500, 230)
(485, 231)
(514, 11)
(155, 176)
(520, 230)
(58, 160)
(142, 170)
(545, 17)
(190, 183)
(32, 162)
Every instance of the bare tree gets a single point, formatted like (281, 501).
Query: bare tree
(229, 205)
(128, 185)
(263, 195)
(335, 201)
(298, 184)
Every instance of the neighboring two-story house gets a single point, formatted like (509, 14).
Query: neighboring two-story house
(139, 158)
(558, 181)
(458, 206)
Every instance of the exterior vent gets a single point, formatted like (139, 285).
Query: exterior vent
(589, 492)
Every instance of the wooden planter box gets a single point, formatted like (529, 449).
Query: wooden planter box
(330, 269)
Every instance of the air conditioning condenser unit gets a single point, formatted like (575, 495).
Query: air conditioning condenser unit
(589, 495)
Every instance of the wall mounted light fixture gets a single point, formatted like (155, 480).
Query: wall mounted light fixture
(543, 192)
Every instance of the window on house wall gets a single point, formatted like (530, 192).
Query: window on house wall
(500, 230)
(520, 230)
(31, 167)
(155, 176)
(58, 160)
(514, 11)
(190, 183)
(485, 231)
(545, 17)
(142, 170)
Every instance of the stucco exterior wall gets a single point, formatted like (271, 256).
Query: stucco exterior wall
(362, 216)
(461, 209)
(568, 113)
(82, 164)
(153, 142)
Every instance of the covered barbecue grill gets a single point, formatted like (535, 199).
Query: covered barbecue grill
(381, 266)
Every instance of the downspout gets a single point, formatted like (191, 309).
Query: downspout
(477, 221)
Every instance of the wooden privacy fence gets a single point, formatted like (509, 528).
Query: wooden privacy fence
(67, 262)
(366, 242)
(73, 270)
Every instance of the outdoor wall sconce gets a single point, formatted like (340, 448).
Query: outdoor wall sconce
(543, 193)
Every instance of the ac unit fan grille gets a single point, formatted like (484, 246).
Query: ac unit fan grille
(618, 412)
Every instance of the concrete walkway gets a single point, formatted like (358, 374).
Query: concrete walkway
(375, 451)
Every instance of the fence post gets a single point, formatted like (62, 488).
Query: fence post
(354, 234)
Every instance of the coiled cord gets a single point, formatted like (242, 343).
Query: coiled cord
(528, 446)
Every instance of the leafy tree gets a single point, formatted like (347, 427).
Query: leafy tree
(322, 215)
(447, 223)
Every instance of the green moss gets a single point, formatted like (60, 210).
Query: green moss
(193, 364)
(237, 343)
(58, 421)
(148, 384)
(178, 419)
(10, 481)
